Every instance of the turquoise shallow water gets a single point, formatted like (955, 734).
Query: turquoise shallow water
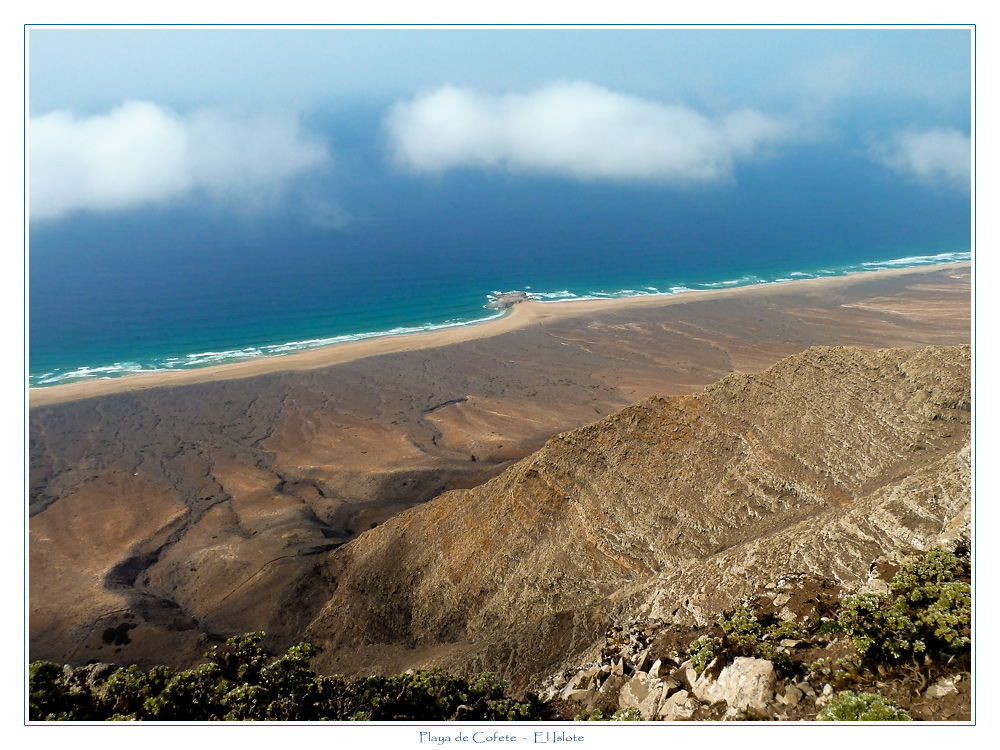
(188, 286)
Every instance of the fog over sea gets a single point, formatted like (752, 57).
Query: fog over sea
(181, 286)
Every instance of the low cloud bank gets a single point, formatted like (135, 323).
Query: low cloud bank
(577, 130)
(141, 153)
(942, 158)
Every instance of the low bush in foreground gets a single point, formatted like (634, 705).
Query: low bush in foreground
(862, 707)
(928, 614)
(622, 714)
(241, 682)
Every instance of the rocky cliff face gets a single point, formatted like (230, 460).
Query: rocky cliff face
(673, 507)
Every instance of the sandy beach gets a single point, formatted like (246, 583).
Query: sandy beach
(522, 315)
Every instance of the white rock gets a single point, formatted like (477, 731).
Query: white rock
(569, 688)
(826, 697)
(941, 688)
(654, 670)
(745, 685)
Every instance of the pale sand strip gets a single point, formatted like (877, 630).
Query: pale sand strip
(520, 316)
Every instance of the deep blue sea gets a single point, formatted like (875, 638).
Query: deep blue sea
(365, 251)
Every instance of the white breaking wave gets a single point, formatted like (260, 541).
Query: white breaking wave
(204, 359)
(918, 260)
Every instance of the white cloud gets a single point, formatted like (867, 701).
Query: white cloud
(936, 157)
(141, 153)
(577, 130)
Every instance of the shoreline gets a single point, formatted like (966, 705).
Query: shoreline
(521, 315)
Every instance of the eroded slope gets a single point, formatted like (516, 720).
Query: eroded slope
(820, 463)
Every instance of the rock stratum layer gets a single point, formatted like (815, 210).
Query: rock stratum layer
(677, 507)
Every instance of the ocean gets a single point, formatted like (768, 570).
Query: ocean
(366, 251)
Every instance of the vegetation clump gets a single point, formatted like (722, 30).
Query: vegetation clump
(743, 631)
(701, 652)
(926, 616)
(622, 714)
(242, 682)
(829, 627)
(849, 706)
(746, 636)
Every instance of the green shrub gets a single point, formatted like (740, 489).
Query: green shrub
(830, 627)
(849, 706)
(51, 699)
(622, 714)
(242, 658)
(746, 636)
(626, 714)
(778, 658)
(192, 695)
(819, 669)
(783, 629)
(700, 652)
(242, 682)
(933, 595)
(864, 618)
(743, 631)
(927, 615)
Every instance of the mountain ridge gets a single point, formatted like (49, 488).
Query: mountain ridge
(822, 462)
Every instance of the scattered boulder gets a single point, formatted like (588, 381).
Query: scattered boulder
(792, 696)
(746, 685)
(642, 692)
(612, 685)
(943, 687)
(680, 706)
